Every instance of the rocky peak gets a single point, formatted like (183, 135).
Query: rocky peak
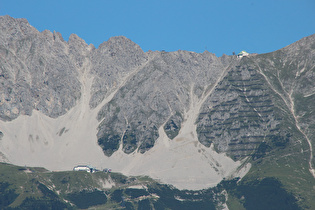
(58, 37)
(12, 30)
(75, 41)
(119, 48)
(145, 91)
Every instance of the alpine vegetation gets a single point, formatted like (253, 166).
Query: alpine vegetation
(191, 120)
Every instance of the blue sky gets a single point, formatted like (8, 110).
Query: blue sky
(220, 26)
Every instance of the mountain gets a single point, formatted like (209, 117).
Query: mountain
(186, 119)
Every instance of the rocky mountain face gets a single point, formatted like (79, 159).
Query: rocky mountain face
(256, 109)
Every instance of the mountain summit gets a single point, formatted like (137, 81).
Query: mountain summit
(185, 118)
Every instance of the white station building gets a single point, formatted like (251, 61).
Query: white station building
(86, 168)
(242, 54)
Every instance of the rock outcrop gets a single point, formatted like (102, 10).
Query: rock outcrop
(240, 98)
(188, 119)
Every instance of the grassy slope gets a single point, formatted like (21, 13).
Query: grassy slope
(287, 163)
(44, 189)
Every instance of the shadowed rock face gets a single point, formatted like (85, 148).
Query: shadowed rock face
(240, 114)
(156, 93)
(236, 103)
